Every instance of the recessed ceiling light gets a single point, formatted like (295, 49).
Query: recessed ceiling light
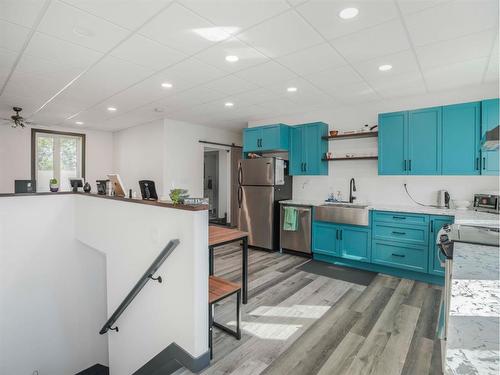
(348, 13)
(166, 85)
(385, 67)
(111, 109)
(291, 89)
(216, 34)
(232, 58)
(229, 104)
(79, 122)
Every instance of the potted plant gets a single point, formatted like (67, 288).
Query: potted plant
(177, 195)
(54, 185)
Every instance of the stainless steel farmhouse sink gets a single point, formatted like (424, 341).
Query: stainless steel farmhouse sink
(342, 213)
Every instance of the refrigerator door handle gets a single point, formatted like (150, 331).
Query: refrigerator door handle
(240, 175)
(240, 196)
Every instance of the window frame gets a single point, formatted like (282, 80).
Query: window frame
(34, 132)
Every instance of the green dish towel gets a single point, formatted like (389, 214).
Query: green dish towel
(290, 220)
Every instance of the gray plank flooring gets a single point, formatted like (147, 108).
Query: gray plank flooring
(300, 323)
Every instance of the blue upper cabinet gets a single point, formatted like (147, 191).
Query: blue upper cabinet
(266, 138)
(424, 141)
(461, 139)
(489, 120)
(392, 129)
(308, 148)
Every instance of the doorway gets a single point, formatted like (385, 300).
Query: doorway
(216, 183)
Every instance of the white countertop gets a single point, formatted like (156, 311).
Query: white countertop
(473, 329)
(466, 217)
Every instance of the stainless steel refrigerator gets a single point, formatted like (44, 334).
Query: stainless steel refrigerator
(262, 184)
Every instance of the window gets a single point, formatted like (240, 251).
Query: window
(57, 155)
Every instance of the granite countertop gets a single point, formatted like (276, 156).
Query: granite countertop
(466, 217)
(473, 327)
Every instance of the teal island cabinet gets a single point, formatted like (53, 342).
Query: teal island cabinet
(266, 138)
(394, 243)
(442, 140)
(308, 149)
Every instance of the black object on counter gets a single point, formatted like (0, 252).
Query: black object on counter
(87, 187)
(148, 190)
(24, 186)
(101, 187)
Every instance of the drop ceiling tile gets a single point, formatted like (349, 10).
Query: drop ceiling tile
(455, 75)
(257, 96)
(7, 59)
(230, 85)
(74, 25)
(265, 74)
(60, 52)
(188, 99)
(189, 73)
(281, 35)
(12, 36)
(412, 6)
(324, 15)
(23, 13)
(331, 79)
(216, 55)
(129, 14)
(354, 93)
(304, 89)
(452, 51)
(380, 40)
(493, 66)
(313, 59)
(146, 52)
(29, 105)
(279, 105)
(236, 13)
(403, 63)
(400, 85)
(179, 28)
(452, 20)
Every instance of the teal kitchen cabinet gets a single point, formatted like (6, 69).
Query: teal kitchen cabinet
(436, 223)
(307, 149)
(392, 128)
(489, 120)
(326, 238)
(461, 139)
(344, 241)
(424, 141)
(266, 138)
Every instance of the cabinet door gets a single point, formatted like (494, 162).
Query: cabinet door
(392, 129)
(315, 148)
(489, 119)
(271, 138)
(461, 137)
(296, 151)
(326, 239)
(355, 243)
(251, 139)
(434, 254)
(424, 141)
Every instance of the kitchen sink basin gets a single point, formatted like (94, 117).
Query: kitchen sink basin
(342, 213)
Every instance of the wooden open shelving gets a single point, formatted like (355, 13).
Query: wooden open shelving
(352, 136)
(354, 158)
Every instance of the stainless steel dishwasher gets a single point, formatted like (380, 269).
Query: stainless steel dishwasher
(300, 239)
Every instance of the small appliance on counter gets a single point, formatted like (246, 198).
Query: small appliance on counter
(443, 200)
(24, 186)
(487, 202)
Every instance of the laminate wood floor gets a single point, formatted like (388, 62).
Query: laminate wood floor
(299, 323)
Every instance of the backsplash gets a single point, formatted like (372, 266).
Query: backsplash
(388, 189)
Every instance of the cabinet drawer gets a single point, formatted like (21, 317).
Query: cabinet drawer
(417, 235)
(400, 218)
(400, 256)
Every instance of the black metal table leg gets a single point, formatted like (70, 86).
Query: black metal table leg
(238, 315)
(210, 260)
(210, 329)
(244, 280)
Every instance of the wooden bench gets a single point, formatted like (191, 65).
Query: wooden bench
(219, 289)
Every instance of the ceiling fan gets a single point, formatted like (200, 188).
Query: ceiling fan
(17, 120)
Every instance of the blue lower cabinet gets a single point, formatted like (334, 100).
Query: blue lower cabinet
(355, 243)
(416, 235)
(435, 257)
(405, 256)
(326, 238)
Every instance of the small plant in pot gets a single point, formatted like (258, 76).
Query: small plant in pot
(54, 185)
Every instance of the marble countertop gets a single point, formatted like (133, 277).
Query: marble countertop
(466, 217)
(473, 329)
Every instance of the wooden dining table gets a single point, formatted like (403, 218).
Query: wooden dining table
(219, 236)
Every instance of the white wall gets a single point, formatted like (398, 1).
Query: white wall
(224, 183)
(168, 152)
(53, 290)
(15, 155)
(132, 235)
(371, 187)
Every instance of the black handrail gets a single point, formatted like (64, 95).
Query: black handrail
(139, 285)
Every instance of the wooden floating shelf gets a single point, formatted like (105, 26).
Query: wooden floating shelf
(353, 135)
(353, 158)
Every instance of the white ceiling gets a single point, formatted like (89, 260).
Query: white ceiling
(68, 60)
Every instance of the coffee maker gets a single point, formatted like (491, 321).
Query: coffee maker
(443, 199)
